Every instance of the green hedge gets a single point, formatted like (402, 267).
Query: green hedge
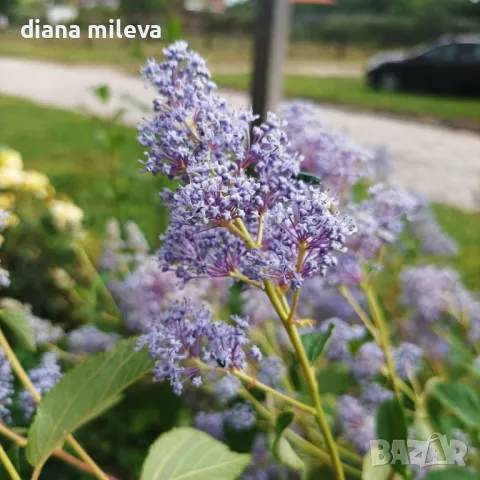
(380, 30)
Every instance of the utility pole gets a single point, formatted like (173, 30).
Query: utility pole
(272, 31)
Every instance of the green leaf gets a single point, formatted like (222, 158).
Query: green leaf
(82, 394)
(102, 92)
(376, 472)
(17, 321)
(475, 369)
(459, 399)
(391, 425)
(283, 421)
(189, 454)
(452, 473)
(315, 342)
(286, 455)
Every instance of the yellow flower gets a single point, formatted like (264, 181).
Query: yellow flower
(6, 200)
(10, 178)
(10, 159)
(62, 279)
(66, 215)
(36, 183)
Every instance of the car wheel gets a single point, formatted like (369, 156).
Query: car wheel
(388, 82)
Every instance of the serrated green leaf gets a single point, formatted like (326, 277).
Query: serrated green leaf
(460, 400)
(189, 454)
(452, 473)
(17, 321)
(315, 342)
(391, 425)
(82, 394)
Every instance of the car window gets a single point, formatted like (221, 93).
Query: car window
(468, 52)
(445, 53)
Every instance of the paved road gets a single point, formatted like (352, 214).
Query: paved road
(440, 163)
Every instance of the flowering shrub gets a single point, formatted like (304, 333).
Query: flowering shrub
(45, 250)
(279, 305)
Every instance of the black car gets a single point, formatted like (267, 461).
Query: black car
(451, 66)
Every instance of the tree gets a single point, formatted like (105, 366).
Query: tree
(6, 6)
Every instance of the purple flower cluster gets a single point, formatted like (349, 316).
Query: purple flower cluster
(271, 371)
(374, 395)
(380, 219)
(368, 362)
(332, 156)
(144, 293)
(264, 466)
(357, 421)
(430, 290)
(343, 333)
(370, 359)
(408, 359)
(226, 389)
(240, 417)
(257, 306)
(431, 238)
(187, 332)
(219, 205)
(44, 378)
(90, 340)
(436, 294)
(45, 331)
(6, 386)
(211, 423)
(321, 301)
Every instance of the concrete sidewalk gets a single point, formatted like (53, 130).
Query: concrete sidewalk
(440, 163)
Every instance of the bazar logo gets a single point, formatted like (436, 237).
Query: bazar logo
(436, 450)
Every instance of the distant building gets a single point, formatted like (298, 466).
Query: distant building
(314, 2)
(60, 14)
(216, 6)
(113, 4)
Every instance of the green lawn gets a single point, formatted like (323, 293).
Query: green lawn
(62, 145)
(354, 92)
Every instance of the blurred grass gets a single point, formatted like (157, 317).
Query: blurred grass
(355, 92)
(62, 145)
(218, 50)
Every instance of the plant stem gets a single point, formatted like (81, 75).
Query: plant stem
(317, 403)
(383, 337)
(261, 222)
(27, 383)
(251, 381)
(345, 291)
(295, 437)
(302, 357)
(243, 278)
(7, 463)
(86, 458)
(37, 471)
(59, 453)
(94, 276)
